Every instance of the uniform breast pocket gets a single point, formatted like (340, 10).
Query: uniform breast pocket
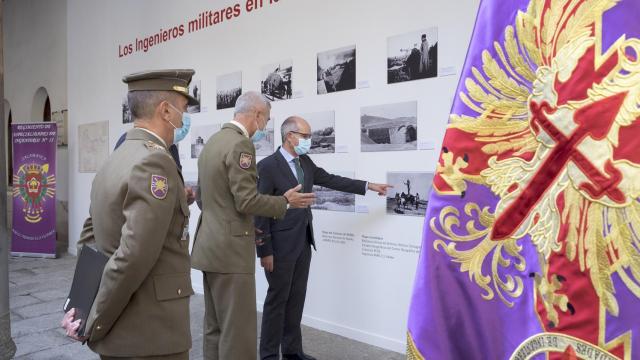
(237, 228)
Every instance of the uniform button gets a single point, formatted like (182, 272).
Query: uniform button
(98, 327)
(246, 233)
(179, 291)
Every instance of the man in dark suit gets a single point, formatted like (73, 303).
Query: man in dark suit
(284, 245)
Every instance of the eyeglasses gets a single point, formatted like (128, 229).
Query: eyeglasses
(302, 135)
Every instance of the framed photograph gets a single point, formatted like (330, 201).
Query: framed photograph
(323, 125)
(333, 200)
(126, 112)
(389, 127)
(265, 146)
(228, 90)
(199, 137)
(337, 70)
(61, 118)
(276, 80)
(195, 89)
(410, 193)
(412, 56)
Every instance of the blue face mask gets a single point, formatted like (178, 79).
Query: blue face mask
(259, 134)
(180, 133)
(303, 147)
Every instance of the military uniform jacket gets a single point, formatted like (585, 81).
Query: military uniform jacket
(137, 216)
(225, 237)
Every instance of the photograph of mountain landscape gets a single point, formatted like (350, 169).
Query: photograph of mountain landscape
(389, 127)
(337, 70)
(333, 200)
(323, 129)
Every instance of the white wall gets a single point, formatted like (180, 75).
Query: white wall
(35, 56)
(365, 298)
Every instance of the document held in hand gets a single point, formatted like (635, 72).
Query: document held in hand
(86, 281)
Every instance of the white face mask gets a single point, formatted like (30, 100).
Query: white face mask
(303, 147)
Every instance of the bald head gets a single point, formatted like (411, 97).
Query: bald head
(292, 124)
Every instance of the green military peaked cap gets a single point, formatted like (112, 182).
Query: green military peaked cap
(162, 80)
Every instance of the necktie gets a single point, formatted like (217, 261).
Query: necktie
(299, 172)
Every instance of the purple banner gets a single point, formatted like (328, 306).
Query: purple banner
(34, 189)
(531, 241)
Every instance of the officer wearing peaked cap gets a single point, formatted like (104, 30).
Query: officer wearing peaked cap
(139, 218)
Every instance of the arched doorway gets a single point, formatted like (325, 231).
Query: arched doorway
(46, 113)
(41, 107)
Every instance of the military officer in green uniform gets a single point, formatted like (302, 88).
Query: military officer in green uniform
(224, 247)
(139, 218)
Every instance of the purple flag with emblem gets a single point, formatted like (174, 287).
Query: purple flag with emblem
(34, 186)
(531, 245)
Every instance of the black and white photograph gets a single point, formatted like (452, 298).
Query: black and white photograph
(199, 136)
(323, 131)
(333, 200)
(276, 80)
(337, 70)
(126, 112)
(389, 127)
(228, 90)
(410, 193)
(264, 147)
(412, 56)
(195, 89)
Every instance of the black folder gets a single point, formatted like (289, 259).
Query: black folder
(86, 281)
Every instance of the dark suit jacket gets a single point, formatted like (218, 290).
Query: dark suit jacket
(285, 238)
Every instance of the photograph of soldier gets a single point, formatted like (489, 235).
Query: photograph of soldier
(199, 136)
(126, 112)
(276, 80)
(389, 127)
(323, 140)
(337, 70)
(195, 90)
(410, 193)
(265, 146)
(412, 56)
(228, 89)
(333, 200)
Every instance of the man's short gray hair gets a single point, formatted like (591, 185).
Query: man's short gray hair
(290, 124)
(249, 101)
(143, 103)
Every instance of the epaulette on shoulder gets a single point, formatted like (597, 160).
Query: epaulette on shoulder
(153, 146)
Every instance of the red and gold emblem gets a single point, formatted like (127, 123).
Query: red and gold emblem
(33, 186)
(556, 117)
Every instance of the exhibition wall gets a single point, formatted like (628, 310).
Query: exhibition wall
(376, 127)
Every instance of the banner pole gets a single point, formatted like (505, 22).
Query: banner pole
(7, 346)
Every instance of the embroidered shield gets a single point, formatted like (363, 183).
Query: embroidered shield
(245, 160)
(159, 186)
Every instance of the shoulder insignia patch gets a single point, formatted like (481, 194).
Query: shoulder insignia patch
(245, 160)
(153, 146)
(159, 186)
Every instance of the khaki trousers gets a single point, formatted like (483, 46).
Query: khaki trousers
(230, 318)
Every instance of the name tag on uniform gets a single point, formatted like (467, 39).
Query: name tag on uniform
(185, 232)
